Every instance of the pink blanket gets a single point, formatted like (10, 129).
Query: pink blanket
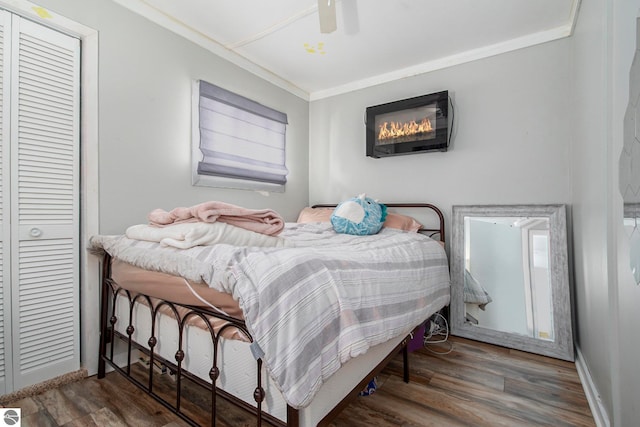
(265, 221)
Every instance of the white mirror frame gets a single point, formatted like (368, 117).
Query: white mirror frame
(562, 346)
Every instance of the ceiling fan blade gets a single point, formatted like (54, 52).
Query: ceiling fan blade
(327, 14)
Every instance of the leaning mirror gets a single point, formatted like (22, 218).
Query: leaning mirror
(510, 278)
(629, 165)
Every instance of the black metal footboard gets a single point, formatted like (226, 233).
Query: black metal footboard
(151, 382)
(109, 336)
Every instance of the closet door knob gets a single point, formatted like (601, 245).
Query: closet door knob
(35, 232)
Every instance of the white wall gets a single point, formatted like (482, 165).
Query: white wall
(625, 38)
(607, 300)
(145, 75)
(590, 204)
(511, 141)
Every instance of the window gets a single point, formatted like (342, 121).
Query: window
(237, 142)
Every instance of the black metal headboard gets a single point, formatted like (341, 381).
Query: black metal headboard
(429, 231)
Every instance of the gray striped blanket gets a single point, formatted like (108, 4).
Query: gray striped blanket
(316, 305)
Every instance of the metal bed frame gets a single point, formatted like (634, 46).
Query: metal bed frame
(109, 336)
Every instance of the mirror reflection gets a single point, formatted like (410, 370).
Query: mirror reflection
(510, 277)
(632, 227)
(629, 166)
(507, 285)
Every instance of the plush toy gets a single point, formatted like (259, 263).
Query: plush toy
(359, 215)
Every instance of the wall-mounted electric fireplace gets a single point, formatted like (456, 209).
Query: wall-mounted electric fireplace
(408, 126)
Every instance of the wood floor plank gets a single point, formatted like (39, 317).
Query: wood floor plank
(196, 404)
(104, 417)
(508, 406)
(366, 416)
(387, 407)
(120, 393)
(476, 384)
(27, 405)
(455, 409)
(40, 419)
(457, 367)
(62, 409)
(569, 400)
(540, 358)
(86, 421)
(466, 356)
(77, 393)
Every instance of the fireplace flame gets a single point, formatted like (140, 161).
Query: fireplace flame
(389, 130)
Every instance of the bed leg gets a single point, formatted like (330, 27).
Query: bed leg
(405, 363)
(293, 417)
(258, 394)
(104, 308)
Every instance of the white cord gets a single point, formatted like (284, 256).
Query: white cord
(438, 331)
(202, 299)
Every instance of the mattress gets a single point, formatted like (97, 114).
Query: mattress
(162, 286)
(172, 288)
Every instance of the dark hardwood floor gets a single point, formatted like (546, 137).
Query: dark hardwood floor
(476, 384)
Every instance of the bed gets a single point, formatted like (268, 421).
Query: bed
(290, 333)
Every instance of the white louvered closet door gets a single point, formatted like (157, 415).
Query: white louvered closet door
(5, 210)
(40, 201)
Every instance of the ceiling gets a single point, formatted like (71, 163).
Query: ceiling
(376, 40)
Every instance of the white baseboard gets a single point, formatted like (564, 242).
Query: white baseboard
(598, 410)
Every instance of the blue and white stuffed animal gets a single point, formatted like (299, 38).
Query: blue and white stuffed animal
(359, 215)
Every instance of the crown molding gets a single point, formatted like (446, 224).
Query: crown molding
(450, 61)
(157, 16)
